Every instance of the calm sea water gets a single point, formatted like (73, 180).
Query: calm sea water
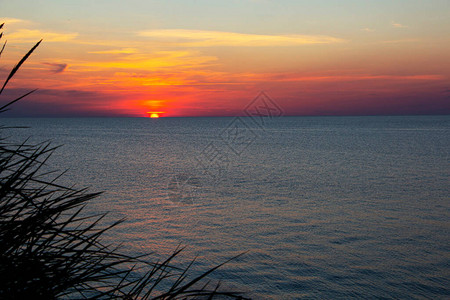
(327, 207)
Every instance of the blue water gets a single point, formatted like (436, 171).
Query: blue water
(327, 207)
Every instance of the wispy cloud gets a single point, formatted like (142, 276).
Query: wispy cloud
(400, 41)
(368, 29)
(9, 21)
(116, 51)
(204, 38)
(355, 77)
(32, 35)
(153, 61)
(56, 68)
(398, 25)
(25, 31)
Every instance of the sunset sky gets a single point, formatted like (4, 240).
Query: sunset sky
(211, 58)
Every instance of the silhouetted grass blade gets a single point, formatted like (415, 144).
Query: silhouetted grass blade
(16, 67)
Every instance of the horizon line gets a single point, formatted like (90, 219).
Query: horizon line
(225, 116)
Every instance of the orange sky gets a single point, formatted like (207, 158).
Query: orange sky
(395, 60)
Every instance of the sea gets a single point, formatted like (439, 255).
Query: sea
(319, 207)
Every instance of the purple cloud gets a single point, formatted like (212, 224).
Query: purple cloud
(56, 68)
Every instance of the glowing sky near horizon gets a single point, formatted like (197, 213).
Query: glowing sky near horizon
(211, 58)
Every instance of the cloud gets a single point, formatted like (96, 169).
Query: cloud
(56, 68)
(33, 35)
(153, 61)
(400, 41)
(204, 38)
(20, 32)
(48, 103)
(398, 25)
(356, 77)
(116, 51)
(9, 21)
(368, 29)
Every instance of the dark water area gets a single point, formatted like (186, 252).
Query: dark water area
(327, 207)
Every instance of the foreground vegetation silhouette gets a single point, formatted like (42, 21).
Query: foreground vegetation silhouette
(50, 248)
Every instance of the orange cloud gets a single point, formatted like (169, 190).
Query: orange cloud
(32, 35)
(204, 38)
(116, 51)
(11, 21)
(153, 61)
(398, 25)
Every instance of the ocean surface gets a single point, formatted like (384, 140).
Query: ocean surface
(326, 207)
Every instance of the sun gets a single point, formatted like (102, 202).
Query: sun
(155, 114)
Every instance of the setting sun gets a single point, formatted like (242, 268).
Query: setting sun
(154, 116)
